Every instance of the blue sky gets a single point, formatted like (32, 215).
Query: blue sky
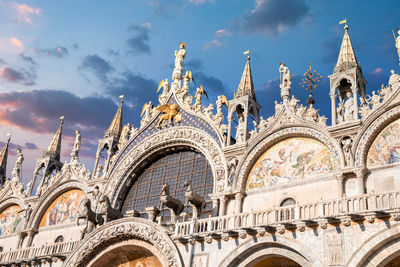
(74, 58)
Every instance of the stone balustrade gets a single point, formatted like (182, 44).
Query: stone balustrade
(48, 252)
(343, 210)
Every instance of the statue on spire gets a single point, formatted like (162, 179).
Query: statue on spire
(397, 42)
(178, 69)
(77, 146)
(285, 81)
(17, 167)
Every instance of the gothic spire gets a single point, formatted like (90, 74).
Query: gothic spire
(246, 86)
(54, 148)
(116, 124)
(347, 57)
(3, 158)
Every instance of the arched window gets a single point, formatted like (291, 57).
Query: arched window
(174, 168)
(287, 213)
(59, 239)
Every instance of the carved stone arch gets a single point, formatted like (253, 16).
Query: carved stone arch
(283, 198)
(233, 108)
(254, 249)
(125, 229)
(378, 250)
(254, 152)
(339, 79)
(187, 137)
(10, 201)
(52, 194)
(368, 134)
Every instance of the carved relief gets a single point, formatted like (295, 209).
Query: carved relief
(334, 247)
(131, 228)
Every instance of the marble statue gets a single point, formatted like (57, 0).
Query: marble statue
(348, 154)
(163, 97)
(398, 43)
(125, 134)
(232, 170)
(394, 78)
(77, 145)
(241, 131)
(179, 57)
(374, 100)
(345, 110)
(16, 172)
(285, 81)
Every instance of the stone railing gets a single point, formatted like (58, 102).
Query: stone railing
(56, 250)
(342, 210)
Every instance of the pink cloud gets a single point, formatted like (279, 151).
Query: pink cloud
(377, 71)
(24, 12)
(213, 43)
(222, 33)
(17, 43)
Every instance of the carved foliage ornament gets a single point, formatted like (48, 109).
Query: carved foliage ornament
(122, 230)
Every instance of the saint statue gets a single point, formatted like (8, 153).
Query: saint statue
(349, 107)
(285, 81)
(18, 163)
(398, 43)
(179, 56)
(241, 131)
(77, 145)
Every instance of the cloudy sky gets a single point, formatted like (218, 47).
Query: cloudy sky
(74, 58)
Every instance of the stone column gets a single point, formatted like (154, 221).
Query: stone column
(355, 115)
(229, 136)
(222, 205)
(245, 121)
(360, 181)
(152, 213)
(20, 239)
(215, 207)
(238, 202)
(31, 234)
(333, 107)
(340, 178)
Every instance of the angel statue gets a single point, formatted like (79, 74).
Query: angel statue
(219, 117)
(147, 110)
(170, 112)
(163, 97)
(200, 91)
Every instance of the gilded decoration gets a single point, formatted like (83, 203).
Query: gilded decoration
(64, 209)
(293, 158)
(386, 147)
(11, 220)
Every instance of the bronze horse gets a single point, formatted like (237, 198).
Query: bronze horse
(194, 199)
(166, 200)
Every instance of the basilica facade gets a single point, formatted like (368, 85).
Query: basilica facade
(219, 185)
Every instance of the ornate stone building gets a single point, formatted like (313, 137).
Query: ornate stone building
(193, 187)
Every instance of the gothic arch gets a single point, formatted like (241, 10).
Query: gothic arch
(51, 195)
(255, 151)
(367, 136)
(339, 79)
(254, 249)
(164, 140)
(125, 229)
(379, 249)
